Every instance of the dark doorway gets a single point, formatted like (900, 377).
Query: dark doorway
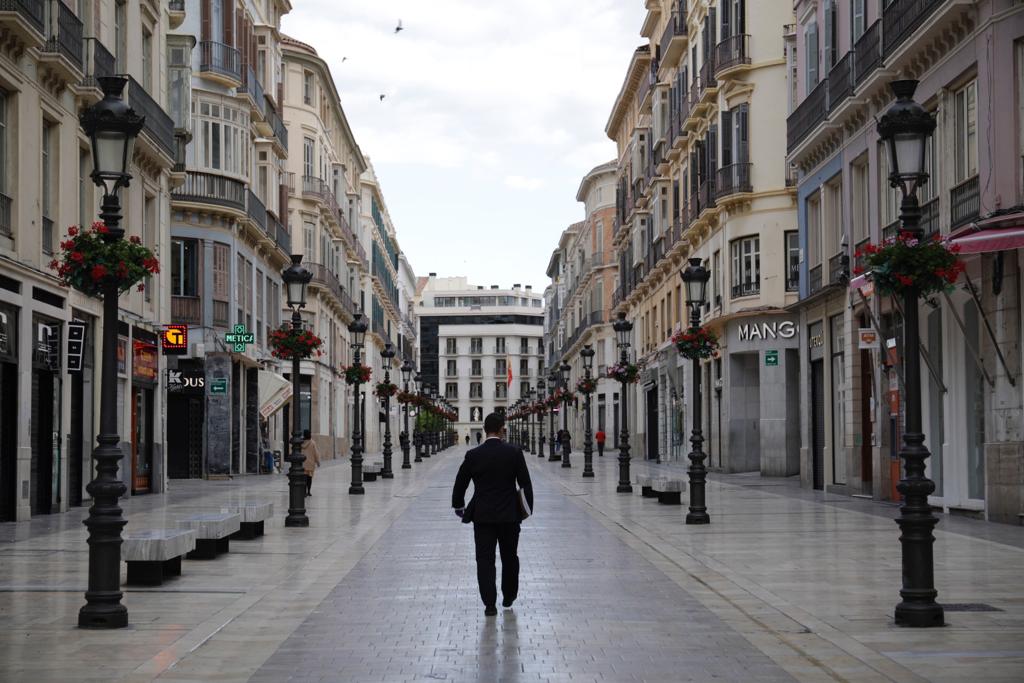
(142, 440)
(76, 446)
(866, 425)
(252, 421)
(8, 441)
(818, 423)
(652, 424)
(185, 440)
(44, 442)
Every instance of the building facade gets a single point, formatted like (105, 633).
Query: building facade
(701, 175)
(583, 272)
(49, 63)
(968, 59)
(480, 348)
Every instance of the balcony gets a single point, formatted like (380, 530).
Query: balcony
(708, 85)
(964, 203)
(840, 81)
(257, 211)
(25, 19)
(187, 310)
(867, 52)
(673, 39)
(252, 87)
(930, 217)
(807, 116)
(734, 179)
(207, 188)
(644, 91)
(159, 127)
(706, 195)
(98, 63)
(837, 273)
(326, 279)
(281, 234)
(62, 51)
(220, 60)
(749, 288)
(901, 18)
(176, 12)
(814, 281)
(732, 52)
(280, 133)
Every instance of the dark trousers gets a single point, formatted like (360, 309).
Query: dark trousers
(600, 448)
(309, 484)
(506, 537)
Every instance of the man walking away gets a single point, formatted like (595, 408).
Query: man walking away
(600, 442)
(494, 468)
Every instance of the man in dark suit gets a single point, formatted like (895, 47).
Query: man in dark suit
(494, 467)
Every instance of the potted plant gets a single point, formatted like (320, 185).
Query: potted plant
(929, 266)
(287, 343)
(624, 372)
(696, 343)
(356, 373)
(88, 262)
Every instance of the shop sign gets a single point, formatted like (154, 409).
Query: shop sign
(239, 338)
(76, 346)
(219, 385)
(816, 341)
(174, 340)
(122, 355)
(867, 338)
(144, 361)
(186, 381)
(5, 335)
(771, 358)
(767, 330)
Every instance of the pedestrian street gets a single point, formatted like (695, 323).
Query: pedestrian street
(783, 585)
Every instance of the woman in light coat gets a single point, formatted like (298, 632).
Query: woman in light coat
(312, 461)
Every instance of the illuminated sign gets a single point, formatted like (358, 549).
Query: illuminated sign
(174, 339)
(239, 338)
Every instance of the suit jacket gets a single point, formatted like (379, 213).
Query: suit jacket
(494, 467)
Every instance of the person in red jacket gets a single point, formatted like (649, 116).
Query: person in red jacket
(599, 437)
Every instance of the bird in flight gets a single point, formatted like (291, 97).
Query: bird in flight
(344, 59)
(399, 28)
(382, 97)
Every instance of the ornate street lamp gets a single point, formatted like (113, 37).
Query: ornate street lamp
(417, 434)
(565, 368)
(403, 439)
(357, 329)
(112, 127)
(696, 277)
(540, 415)
(587, 354)
(531, 421)
(905, 128)
(552, 383)
(296, 278)
(623, 328)
(432, 446)
(387, 355)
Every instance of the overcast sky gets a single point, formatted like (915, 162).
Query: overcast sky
(494, 111)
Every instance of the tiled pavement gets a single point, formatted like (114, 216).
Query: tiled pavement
(614, 588)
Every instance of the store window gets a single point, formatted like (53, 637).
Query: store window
(746, 266)
(222, 144)
(792, 260)
(184, 268)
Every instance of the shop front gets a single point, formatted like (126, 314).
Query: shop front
(45, 416)
(8, 413)
(145, 375)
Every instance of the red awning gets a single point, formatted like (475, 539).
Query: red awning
(991, 240)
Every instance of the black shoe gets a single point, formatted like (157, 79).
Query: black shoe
(490, 611)
(507, 604)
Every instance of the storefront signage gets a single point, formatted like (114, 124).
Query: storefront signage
(767, 330)
(76, 346)
(867, 338)
(239, 338)
(122, 355)
(219, 385)
(186, 381)
(816, 340)
(174, 340)
(144, 361)
(771, 358)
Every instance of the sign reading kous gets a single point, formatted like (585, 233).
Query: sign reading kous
(781, 329)
(186, 381)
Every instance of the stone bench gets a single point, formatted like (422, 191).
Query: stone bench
(212, 532)
(252, 517)
(669, 491)
(371, 470)
(645, 486)
(154, 554)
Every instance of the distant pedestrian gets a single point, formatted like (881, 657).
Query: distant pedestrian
(496, 510)
(478, 437)
(312, 461)
(600, 441)
(467, 438)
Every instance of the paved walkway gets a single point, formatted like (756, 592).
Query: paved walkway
(614, 588)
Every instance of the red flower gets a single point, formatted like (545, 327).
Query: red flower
(904, 280)
(141, 287)
(857, 270)
(77, 256)
(98, 272)
(72, 231)
(101, 228)
(54, 265)
(135, 239)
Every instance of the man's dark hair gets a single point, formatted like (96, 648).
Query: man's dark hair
(494, 423)
(306, 436)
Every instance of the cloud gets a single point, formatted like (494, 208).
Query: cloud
(519, 182)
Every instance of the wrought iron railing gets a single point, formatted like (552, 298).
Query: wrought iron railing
(733, 51)
(867, 52)
(277, 125)
(5, 215)
(324, 277)
(281, 235)
(930, 217)
(733, 179)
(30, 10)
(837, 269)
(64, 34)
(159, 125)
(901, 18)
(706, 75)
(47, 236)
(814, 279)
(964, 202)
(256, 210)
(707, 194)
(208, 188)
(807, 115)
(676, 28)
(749, 288)
(251, 85)
(98, 62)
(220, 58)
(840, 81)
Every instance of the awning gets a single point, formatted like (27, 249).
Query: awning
(275, 391)
(991, 240)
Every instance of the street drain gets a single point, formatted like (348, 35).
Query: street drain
(970, 607)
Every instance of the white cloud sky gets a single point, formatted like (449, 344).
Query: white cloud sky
(495, 110)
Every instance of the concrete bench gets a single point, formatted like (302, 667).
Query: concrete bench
(155, 554)
(252, 517)
(212, 532)
(645, 486)
(371, 470)
(669, 491)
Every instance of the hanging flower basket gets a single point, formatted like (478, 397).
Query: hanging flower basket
(696, 343)
(356, 374)
(404, 397)
(586, 385)
(386, 389)
(89, 263)
(897, 264)
(287, 343)
(624, 372)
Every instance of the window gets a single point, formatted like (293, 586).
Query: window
(308, 157)
(858, 20)
(966, 132)
(476, 368)
(476, 390)
(307, 88)
(476, 345)
(147, 60)
(833, 223)
(149, 220)
(309, 241)
(451, 390)
(524, 346)
(184, 268)
(223, 141)
(500, 390)
(500, 367)
(889, 197)
(716, 278)
(830, 34)
(859, 200)
(452, 368)
(85, 186)
(49, 169)
(120, 36)
(450, 346)
(540, 347)
(524, 367)
(524, 389)
(811, 50)
(499, 345)
(746, 266)
(792, 260)
(814, 229)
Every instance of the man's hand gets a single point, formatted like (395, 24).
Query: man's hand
(459, 512)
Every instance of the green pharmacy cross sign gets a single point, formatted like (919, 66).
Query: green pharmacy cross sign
(240, 338)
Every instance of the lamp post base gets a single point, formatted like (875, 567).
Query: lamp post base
(356, 490)
(296, 520)
(698, 518)
(920, 614)
(588, 475)
(103, 616)
(624, 488)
